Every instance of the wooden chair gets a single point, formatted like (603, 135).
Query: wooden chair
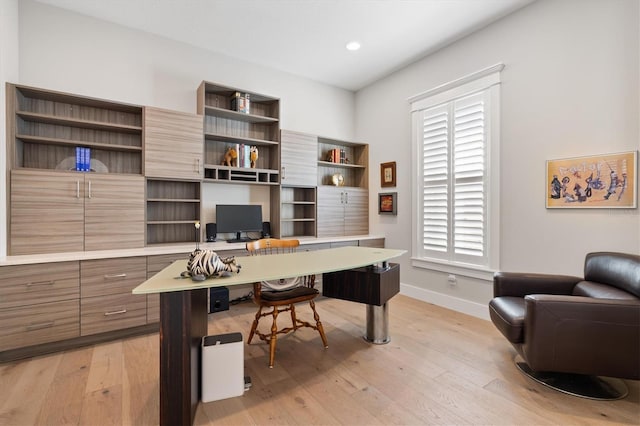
(281, 300)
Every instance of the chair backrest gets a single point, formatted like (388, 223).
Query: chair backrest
(271, 246)
(620, 270)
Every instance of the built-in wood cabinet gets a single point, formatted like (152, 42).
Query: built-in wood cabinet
(293, 212)
(226, 128)
(45, 127)
(156, 264)
(54, 212)
(106, 302)
(173, 144)
(38, 304)
(299, 165)
(53, 207)
(343, 195)
(173, 207)
(342, 211)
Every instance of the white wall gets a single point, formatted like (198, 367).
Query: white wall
(65, 51)
(570, 88)
(8, 72)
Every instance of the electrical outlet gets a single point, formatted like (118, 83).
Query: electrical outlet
(452, 280)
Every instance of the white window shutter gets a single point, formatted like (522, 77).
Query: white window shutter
(435, 172)
(469, 186)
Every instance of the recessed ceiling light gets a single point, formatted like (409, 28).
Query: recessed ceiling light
(353, 45)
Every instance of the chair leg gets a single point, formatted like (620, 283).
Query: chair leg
(254, 326)
(318, 323)
(274, 338)
(294, 320)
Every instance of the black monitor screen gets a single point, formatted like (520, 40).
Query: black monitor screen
(238, 218)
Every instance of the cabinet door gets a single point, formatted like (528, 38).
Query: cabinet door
(356, 212)
(114, 212)
(173, 144)
(298, 158)
(47, 212)
(330, 211)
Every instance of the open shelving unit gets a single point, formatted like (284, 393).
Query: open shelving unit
(49, 125)
(226, 128)
(173, 207)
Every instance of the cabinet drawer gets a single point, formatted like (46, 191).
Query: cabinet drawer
(43, 323)
(22, 285)
(113, 312)
(158, 262)
(111, 276)
(153, 308)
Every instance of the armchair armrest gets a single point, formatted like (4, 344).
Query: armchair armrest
(517, 284)
(582, 335)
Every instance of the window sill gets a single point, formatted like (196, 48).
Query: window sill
(462, 269)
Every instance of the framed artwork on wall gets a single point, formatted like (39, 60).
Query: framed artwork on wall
(388, 203)
(599, 181)
(388, 174)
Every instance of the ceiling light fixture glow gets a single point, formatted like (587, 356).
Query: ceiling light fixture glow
(353, 45)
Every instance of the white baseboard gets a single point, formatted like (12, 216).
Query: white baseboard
(460, 305)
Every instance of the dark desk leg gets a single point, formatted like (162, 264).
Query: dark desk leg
(183, 323)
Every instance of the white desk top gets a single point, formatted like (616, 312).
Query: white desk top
(271, 267)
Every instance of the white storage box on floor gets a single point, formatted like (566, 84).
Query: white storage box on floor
(222, 366)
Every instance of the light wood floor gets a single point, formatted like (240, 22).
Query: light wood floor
(441, 367)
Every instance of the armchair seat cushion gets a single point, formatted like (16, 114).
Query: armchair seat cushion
(289, 294)
(507, 313)
(601, 291)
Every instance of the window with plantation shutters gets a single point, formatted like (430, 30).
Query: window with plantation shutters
(455, 132)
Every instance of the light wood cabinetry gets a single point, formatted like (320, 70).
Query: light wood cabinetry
(299, 166)
(225, 128)
(156, 264)
(343, 209)
(106, 302)
(55, 212)
(173, 207)
(46, 212)
(45, 127)
(38, 304)
(114, 212)
(173, 144)
(52, 206)
(293, 212)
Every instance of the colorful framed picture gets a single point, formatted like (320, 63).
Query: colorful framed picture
(388, 174)
(388, 203)
(606, 181)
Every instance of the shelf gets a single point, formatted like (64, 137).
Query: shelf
(171, 222)
(226, 174)
(172, 200)
(299, 220)
(71, 142)
(86, 124)
(238, 116)
(343, 165)
(239, 139)
(304, 203)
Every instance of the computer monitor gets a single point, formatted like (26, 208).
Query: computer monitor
(238, 218)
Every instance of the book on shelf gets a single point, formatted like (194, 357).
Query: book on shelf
(83, 159)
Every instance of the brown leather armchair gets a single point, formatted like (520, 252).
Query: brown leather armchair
(565, 324)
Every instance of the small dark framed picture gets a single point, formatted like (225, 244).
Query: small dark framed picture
(388, 174)
(388, 203)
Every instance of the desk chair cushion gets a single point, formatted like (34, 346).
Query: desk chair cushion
(288, 294)
(507, 313)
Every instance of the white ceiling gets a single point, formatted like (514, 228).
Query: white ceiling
(307, 37)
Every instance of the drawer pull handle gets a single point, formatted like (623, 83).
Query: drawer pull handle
(39, 283)
(32, 327)
(121, 311)
(112, 276)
